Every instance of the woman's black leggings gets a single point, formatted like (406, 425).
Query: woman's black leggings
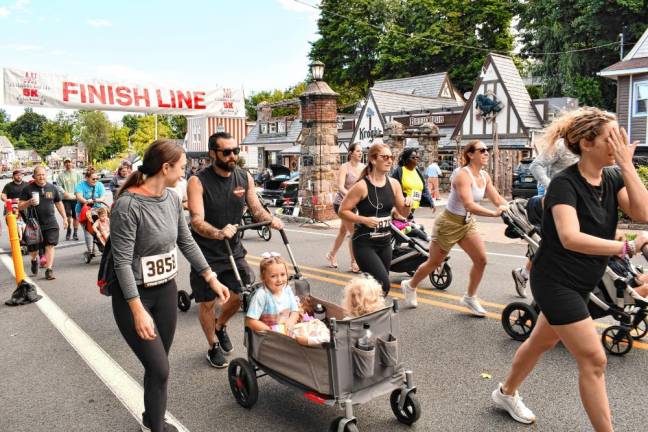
(161, 302)
(374, 257)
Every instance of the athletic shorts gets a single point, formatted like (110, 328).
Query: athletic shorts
(560, 304)
(202, 291)
(50, 238)
(449, 229)
(70, 206)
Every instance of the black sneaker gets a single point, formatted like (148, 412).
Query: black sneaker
(34, 267)
(75, 236)
(224, 340)
(146, 426)
(68, 235)
(49, 274)
(216, 358)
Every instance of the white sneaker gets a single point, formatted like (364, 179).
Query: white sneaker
(520, 282)
(513, 405)
(473, 304)
(410, 295)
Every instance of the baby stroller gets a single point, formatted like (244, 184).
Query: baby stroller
(614, 296)
(410, 251)
(334, 373)
(263, 231)
(87, 221)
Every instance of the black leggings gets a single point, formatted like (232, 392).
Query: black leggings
(374, 257)
(161, 302)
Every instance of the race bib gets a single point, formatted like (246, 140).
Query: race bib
(416, 195)
(383, 223)
(158, 269)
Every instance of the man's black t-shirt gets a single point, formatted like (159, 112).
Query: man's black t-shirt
(596, 208)
(45, 209)
(13, 189)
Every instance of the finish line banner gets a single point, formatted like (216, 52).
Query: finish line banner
(35, 89)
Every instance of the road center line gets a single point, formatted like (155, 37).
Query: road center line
(124, 387)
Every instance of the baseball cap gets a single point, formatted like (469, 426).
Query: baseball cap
(17, 171)
(67, 159)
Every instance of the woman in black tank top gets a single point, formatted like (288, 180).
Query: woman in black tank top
(374, 195)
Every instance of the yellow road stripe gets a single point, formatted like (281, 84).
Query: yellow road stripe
(444, 305)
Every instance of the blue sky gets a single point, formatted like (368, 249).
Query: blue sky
(256, 44)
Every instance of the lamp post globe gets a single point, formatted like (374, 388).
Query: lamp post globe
(317, 70)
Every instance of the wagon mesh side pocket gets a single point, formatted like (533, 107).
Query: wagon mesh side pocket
(363, 362)
(388, 350)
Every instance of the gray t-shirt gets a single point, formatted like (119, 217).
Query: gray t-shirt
(143, 226)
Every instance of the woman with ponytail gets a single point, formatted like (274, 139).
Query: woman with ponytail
(374, 196)
(147, 223)
(578, 235)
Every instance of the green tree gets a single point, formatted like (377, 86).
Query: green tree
(27, 130)
(177, 124)
(274, 96)
(145, 133)
(131, 121)
(94, 132)
(4, 123)
(117, 142)
(564, 25)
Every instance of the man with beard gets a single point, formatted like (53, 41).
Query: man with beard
(217, 196)
(13, 189)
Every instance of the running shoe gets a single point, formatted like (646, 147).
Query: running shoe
(75, 236)
(146, 425)
(472, 303)
(216, 358)
(34, 267)
(410, 295)
(49, 274)
(520, 282)
(68, 234)
(224, 340)
(513, 405)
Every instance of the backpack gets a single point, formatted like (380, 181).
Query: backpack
(107, 277)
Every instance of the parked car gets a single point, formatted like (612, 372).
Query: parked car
(290, 194)
(524, 184)
(274, 187)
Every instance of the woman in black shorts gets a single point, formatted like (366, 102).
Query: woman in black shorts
(374, 195)
(578, 227)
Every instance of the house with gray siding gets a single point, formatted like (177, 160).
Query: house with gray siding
(631, 75)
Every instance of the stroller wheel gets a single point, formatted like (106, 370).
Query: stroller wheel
(243, 382)
(265, 233)
(184, 300)
(616, 340)
(441, 278)
(411, 410)
(349, 427)
(518, 320)
(640, 330)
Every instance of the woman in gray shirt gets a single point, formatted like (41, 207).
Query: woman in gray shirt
(146, 225)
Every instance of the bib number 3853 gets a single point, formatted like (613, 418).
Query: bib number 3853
(158, 269)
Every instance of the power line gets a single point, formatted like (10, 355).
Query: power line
(458, 45)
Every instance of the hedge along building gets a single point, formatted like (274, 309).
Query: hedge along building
(500, 113)
(412, 102)
(631, 75)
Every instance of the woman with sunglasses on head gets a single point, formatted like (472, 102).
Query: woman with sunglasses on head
(375, 195)
(347, 176)
(456, 225)
(147, 224)
(578, 235)
(412, 180)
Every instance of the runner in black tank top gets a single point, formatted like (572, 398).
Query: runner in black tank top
(372, 237)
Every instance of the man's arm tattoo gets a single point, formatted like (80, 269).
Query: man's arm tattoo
(204, 228)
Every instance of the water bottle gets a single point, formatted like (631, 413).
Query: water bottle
(365, 343)
(541, 190)
(320, 312)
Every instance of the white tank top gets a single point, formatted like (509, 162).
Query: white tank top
(455, 206)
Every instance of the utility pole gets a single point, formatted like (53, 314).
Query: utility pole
(621, 38)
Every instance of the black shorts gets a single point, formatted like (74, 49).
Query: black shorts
(70, 208)
(202, 292)
(560, 304)
(50, 238)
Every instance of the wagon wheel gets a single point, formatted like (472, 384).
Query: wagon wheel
(184, 300)
(243, 382)
(616, 340)
(411, 409)
(518, 320)
(349, 427)
(441, 278)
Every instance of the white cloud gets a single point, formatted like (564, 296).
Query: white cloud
(4, 12)
(99, 23)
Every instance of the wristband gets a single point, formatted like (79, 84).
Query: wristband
(624, 249)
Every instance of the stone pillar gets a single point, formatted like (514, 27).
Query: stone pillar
(393, 137)
(319, 151)
(428, 143)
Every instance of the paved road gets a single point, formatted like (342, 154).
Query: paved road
(47, 386)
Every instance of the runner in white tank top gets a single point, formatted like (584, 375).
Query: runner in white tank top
(453, 226)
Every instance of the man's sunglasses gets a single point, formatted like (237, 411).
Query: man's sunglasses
(480, 150)
(227, 152)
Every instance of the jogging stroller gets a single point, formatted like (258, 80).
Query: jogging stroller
(335, 373)
(264, 230)
(87, 221)
(410, 251)
(614, 296)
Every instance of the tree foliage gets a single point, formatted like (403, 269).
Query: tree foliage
(27, 130)
(145, 133)
(94, 132)
(276, 95)
(562, 25)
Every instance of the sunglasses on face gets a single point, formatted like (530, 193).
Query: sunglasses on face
(415, 157)
(94, 178)
(227, 152)
(385, 157)
(480, 150)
